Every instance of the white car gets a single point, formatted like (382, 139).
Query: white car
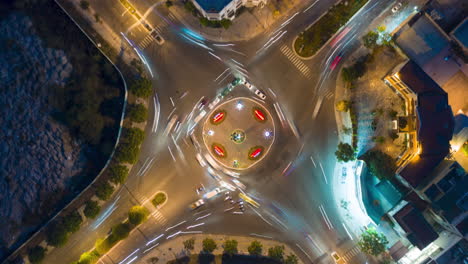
(396, 7)
(197, 204)
(260, 94)
(157, 37)
(200, 160)
(214, 192)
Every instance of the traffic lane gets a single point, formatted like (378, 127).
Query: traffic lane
(114, 14)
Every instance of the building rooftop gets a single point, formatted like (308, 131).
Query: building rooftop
(419, 232)
(213, 6)
(461, 33)
(435, 123)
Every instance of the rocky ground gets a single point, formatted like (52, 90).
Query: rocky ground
(38, 157)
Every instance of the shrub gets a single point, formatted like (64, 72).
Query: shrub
(84, 4)
(225, 23)
(343, 106)
(380, 164)
(90, 257)
(104, 191)
(276, 253)
(137, 113)
(57, 235)
(119, 232)
(372, 243)
(370, 39)
(230, 247)
(36, 254)
(72, 222)
(465, 149)
(345, 152)
(169, 3)
(118, 173)
(137, 215)
(92, 209)
(102, 246)
(159, 199)
(129, 146)
(291, 259)
(209, 245)
(141, 88)
(255, 248)
(189, 244)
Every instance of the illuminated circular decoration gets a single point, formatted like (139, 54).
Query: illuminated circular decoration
(256, 152)
(238, 136)
(219, 150)
(259, 115)
(218, 117)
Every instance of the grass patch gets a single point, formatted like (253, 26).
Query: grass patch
(311, 40)
(159, 199)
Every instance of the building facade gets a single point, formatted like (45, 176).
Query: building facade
(224, 9)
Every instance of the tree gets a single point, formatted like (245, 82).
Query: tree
(372, 243)
(84, 4)
(137, 215)
(72, 222)
(343, 105)
(90, 257)
(370, 39)
(36, 254)
(189, 244)
(380, 164)
(104, 191)
(97, 18)
(291, 259)
(345, 152)
(57, 236)
(129, 146)
(465, 149)
(169, 3)
(120, 231)
(347, 130)
(118, 173)
(276, 253)
(141, 87)
(225, 23)
(255, 248)
(209, 245)
(230, 247)
(137, 113)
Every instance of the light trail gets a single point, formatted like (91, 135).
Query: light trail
(260, 215)
(314, 244)
(154, 239)
(133, 253)
(170, 152)
(323, 172)
(324, 215)
(173, 235)
(214, 55)
(347, 232)
(172, 101)
(223, 45)
(192, 226)
(219, 76)
(201, 217)
(312, 159)
(106, 214)
(303, 251)
(157, 108)
(257, 235)
(175, 225)
(146, 250)
(312, 5)
(133, 259)
(290, 19)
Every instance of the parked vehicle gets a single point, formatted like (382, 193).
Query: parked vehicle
(199, 203)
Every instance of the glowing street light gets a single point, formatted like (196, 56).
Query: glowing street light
(210, 132)
(239, 105)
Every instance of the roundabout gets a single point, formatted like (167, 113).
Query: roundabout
(239, 133)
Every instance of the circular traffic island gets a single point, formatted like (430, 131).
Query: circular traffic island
(239, 133)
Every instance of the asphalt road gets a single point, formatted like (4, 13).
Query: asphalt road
(296, 202)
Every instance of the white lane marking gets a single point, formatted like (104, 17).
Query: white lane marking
(303, 251)
(325, 216)
(201, 217)
(133, 259)
(170, 152)
(153, 240)
(323, 172)
(192, 226)
(312, 159)
(175, 226)
(172, 101)
(129, 256)
(347, 232)
(257, 235)
(146, 250)
(307, 9)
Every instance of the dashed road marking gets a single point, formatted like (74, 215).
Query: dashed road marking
(159, 217)
(304, 69)
(351, 253)
(329, 95)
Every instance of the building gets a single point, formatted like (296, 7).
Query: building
(224, 9)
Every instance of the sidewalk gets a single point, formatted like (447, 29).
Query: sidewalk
(175, 249)
(247, 25)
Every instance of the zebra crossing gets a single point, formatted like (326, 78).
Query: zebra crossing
(351, 253)
(159, 217)
(328, 95)
(296, 61)
(146, 41)
(159, 28)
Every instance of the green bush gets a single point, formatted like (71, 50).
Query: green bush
(380, 164)
(209, 245)
(89, 257)
(225, 23)
(120, 231)
(137, 215)
(370, 39)
(230, 247)
(189, 244)
(92, 209)
(345, 152)
(118, 173)
(372, 243)
(169, 3)
(72, 222)
(137, 113)
(57, 235)
(84, 4)
(189, 6)
(104, 191)
(159, 199)
(465, 149)
(291, 259)
(129, 146)
(276, 253)
(255, 248)
(141, 88)
(102, 246)
(36, 254)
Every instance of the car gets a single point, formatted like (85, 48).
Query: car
(336, 61)
(337, 258)
(202, 103)
(200, 189)
(157, 37)
(199, 203)
(248, 85)
(214, 103)
(212, 193)
(260, 94)
(200, 160)
(397, 7)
